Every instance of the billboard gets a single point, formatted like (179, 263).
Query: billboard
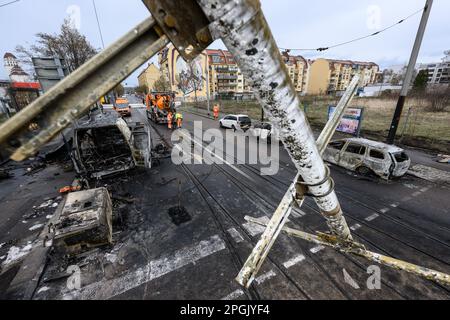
(351, 123)
(49, 71)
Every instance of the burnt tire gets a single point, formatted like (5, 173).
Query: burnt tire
(364, 171)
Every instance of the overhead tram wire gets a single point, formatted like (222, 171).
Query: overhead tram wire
(325, 48)
(8, 3)
(98, 24)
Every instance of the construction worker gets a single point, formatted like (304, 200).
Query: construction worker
(216, 110)
(179, 118)
(170, 120)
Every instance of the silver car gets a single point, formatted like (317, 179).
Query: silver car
(368, 157)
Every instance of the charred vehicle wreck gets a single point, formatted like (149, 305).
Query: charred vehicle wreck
(104, 145)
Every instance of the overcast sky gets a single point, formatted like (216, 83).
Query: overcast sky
(295, 24)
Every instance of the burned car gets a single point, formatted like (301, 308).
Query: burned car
(105, 144)
(368, 157)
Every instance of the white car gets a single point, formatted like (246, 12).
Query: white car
(368, 157)
(236, 122)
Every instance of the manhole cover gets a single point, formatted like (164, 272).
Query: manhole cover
(179, 215)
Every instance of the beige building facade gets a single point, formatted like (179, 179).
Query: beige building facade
(328, 76)
(149, 76)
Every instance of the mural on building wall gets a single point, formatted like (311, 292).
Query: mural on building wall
(189, 76)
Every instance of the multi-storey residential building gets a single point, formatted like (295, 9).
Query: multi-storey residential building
(438, 73)
(328, 76)
(298, 68)
(149, 76)
(217, 72)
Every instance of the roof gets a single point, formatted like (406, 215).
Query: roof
(376, 144)
(9, 55)
(17, 71)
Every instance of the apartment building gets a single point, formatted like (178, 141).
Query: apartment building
(438, 73)
(149, 76)
(216, 73)
(327, 76)
(298, 68)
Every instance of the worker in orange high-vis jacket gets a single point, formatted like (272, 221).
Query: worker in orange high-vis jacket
(216, 110)
(170, 120)
(179, 118)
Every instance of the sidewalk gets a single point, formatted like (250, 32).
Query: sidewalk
(423, 164)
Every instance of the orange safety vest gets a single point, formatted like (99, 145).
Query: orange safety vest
(216, 109)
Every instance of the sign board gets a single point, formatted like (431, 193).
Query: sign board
(351, 123)
(49, 71)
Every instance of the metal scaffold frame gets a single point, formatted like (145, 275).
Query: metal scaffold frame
(191, 25)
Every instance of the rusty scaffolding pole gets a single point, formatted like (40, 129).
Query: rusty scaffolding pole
(191, 25)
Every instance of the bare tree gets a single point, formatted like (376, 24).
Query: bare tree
(69, 44)
(162, 84)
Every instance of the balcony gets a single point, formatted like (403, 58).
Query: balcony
(226, 77)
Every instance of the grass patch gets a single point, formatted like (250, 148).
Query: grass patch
(423, 128)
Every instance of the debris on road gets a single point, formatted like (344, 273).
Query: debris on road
(86, 221)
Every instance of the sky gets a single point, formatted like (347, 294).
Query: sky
(294, 23)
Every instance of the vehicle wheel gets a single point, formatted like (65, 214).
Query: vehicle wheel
(221, 125)
(234, 128)
(364, 171)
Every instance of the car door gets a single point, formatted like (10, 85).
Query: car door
(232, 122)
(226, 122)
(333, 151)
(352, 156)
(379, 161)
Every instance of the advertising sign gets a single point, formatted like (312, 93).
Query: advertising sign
(351, 123)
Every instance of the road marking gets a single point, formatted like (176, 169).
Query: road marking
(218, 157)
(297, 214)
(384, 210)
(355, 227)
(294, 261)
(317, 249)
(425, 189)
(395, 205)
(234, 295)
(416, 194)
(265, 277)
(235, 235)
(104, 290)
(406, 199)
(350, 281)
(256, 229)
(372, 217)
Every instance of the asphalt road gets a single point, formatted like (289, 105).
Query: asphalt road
(198, 255)
(406, 219)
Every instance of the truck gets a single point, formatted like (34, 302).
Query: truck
(122, 106)
(159, 104)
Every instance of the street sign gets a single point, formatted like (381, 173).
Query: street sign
(351, 123)
(49, 71)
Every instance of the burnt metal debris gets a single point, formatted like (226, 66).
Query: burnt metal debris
(243, 28)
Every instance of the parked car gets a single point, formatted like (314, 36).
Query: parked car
(236, 122)
(368, 157)
(263, 131)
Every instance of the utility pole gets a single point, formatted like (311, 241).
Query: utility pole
(409, 72)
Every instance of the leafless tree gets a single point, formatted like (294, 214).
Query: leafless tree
(162, 84)
(69, 44)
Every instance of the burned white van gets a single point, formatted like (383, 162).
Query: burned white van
(104, 145)
(368, 157)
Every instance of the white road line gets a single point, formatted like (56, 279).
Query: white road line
(107, 289)
(372, 217)
(235, 235)
(234, 295)
(406, 199)
(425, 189)
(265, 277)
(395, 205)
(293, 261)
(297, 214)
(355, 227)
(221, 159)
(416, 194)
(256, 229)
(317, 249)
(385, 210)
